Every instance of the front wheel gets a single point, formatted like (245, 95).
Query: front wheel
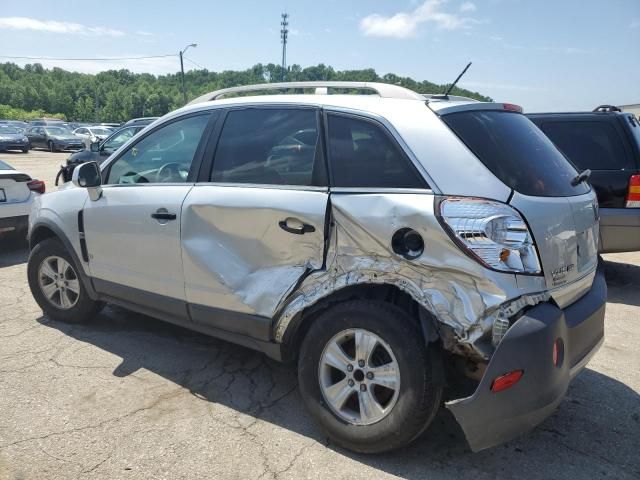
(56, 285)
(365, 375)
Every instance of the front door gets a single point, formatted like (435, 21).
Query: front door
(256, 223)
(133, 230)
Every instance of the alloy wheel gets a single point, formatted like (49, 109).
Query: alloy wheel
(359, 376)
(59, 282)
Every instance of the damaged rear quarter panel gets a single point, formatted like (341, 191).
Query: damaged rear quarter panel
(455, 289)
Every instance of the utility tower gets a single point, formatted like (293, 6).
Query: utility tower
(284, 34)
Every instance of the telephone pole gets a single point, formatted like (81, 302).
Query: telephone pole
(284, 34)
(184, 91)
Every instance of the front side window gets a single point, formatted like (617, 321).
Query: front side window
(275, 146)
(592, 145)
(164, 156)
(362, 155)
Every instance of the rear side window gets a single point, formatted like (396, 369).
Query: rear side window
(273, 146)
(593, 145)
(363, 155)
(517, 152)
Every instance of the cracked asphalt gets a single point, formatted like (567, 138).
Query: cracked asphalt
(127, 396)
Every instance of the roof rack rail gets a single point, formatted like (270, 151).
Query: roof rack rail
(321, 88)
(606, 108)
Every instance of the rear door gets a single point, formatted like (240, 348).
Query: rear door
(255, 224)
(563, 218)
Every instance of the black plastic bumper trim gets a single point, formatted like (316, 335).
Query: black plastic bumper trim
(488, 418)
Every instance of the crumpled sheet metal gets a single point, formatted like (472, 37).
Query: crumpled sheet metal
(454, 290)
(235, 255)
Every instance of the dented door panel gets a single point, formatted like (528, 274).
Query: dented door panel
(237, 257)
(457, 290)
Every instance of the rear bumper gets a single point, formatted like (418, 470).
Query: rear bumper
(619, 230)
(488, 418)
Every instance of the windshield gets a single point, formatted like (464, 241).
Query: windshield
(57, 131)
(100, 131)
(516, 152)
(9, 130)
(5, 166)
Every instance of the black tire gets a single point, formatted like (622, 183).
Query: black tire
(84, 309)
(52, 147)
(418, 399)
(25, 150)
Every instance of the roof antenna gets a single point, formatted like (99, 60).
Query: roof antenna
(446, 94)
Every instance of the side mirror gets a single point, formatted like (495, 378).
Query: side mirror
(95, 146)
(87, 175)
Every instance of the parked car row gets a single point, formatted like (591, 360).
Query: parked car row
(389, 244)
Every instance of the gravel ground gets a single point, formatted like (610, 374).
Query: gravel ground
(126, 396)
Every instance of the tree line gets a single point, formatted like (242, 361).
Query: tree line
(118, 95)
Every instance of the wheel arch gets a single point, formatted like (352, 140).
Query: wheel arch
(299, 325)
(43, 230)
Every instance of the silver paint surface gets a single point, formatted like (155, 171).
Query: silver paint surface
(455, 289)
(236, 257)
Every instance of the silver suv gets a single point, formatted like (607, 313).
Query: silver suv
(390, 243)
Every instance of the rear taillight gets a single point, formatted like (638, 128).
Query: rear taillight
(491, 232)
(36, 186)
(633, 195)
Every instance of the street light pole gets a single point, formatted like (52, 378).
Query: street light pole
(184, 91)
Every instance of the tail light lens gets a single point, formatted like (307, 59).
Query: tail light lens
(36, 186)
(507, 380)
(633, 195)
(491, 232)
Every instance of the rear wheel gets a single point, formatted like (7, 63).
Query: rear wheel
(56, 285)
(365, 375)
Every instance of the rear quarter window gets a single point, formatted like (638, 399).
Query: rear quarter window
(516, 151)
(595, 145)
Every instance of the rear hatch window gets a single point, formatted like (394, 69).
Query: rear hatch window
(593, 145)
(516, 152)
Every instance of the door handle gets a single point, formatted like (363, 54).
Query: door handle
(163, 214)
(295, 226)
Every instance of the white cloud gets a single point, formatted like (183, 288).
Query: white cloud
(496, 38)
(144, 33)
(155, 66)
(468, 7)
(51, 26)
(404, 25)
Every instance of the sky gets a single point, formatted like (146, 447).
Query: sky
(546, 55)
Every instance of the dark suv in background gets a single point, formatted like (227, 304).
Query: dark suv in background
(607, 142)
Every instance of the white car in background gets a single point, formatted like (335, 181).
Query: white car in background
(17, 191)
(92, 134)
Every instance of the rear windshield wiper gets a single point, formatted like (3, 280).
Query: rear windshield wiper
(583, 176)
